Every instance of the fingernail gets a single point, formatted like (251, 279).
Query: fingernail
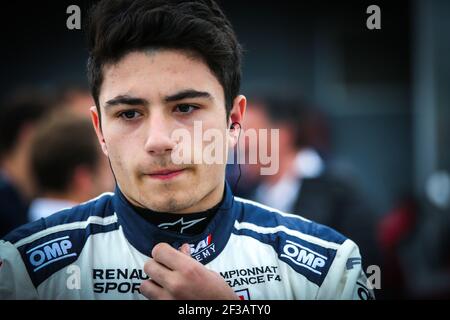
(185, 248)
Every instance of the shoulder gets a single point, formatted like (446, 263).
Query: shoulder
(51, 243)
(92, 211)
(307, 247)
(266, 219)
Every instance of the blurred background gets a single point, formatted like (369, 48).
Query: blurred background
(364, 121)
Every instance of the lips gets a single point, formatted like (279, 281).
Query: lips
(165, 174)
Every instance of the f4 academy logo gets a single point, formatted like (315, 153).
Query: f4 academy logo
(49, 252)
(203, 249)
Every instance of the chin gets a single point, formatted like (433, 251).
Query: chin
(167, 206)
(167, 202)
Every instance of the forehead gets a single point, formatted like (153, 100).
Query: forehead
(158, 73)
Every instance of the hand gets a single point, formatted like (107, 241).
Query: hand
(176, 275)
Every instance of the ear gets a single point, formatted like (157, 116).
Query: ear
(98, 130)
(236, 115)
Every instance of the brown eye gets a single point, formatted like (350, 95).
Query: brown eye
(185, 108)
(129, 114)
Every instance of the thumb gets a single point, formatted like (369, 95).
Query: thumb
(186, 249)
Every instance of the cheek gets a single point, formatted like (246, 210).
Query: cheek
(120, 153)
(210, 174)
(118, 142)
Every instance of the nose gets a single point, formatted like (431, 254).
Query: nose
(159, 131)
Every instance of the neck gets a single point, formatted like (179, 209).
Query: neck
(191, 223)
(207, 202)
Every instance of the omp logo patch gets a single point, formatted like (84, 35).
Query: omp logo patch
(304, 257)
(49, 252)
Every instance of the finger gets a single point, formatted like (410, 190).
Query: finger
(186, 249)
(158, 272)
(170, 257)
(151, 290)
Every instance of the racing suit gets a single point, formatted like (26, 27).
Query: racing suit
(97, 250)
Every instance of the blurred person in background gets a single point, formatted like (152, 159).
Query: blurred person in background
(20, 115)
(415, 238)
(67, 164)
(306, 184)
(76, 98)
(395, 232)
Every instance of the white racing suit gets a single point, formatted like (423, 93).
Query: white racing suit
(97, 250)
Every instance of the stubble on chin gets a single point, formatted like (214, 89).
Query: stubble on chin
(168, 202)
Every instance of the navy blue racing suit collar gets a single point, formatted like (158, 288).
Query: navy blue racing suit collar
(144, 235)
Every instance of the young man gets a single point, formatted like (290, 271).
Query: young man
(172, 231)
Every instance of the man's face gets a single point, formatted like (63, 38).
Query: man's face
(143, 99)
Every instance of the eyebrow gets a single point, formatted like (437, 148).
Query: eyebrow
(181, 95)
(188, 94)
(126, 99)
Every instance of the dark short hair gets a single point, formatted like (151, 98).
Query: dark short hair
(61, 144)
(118, 27)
